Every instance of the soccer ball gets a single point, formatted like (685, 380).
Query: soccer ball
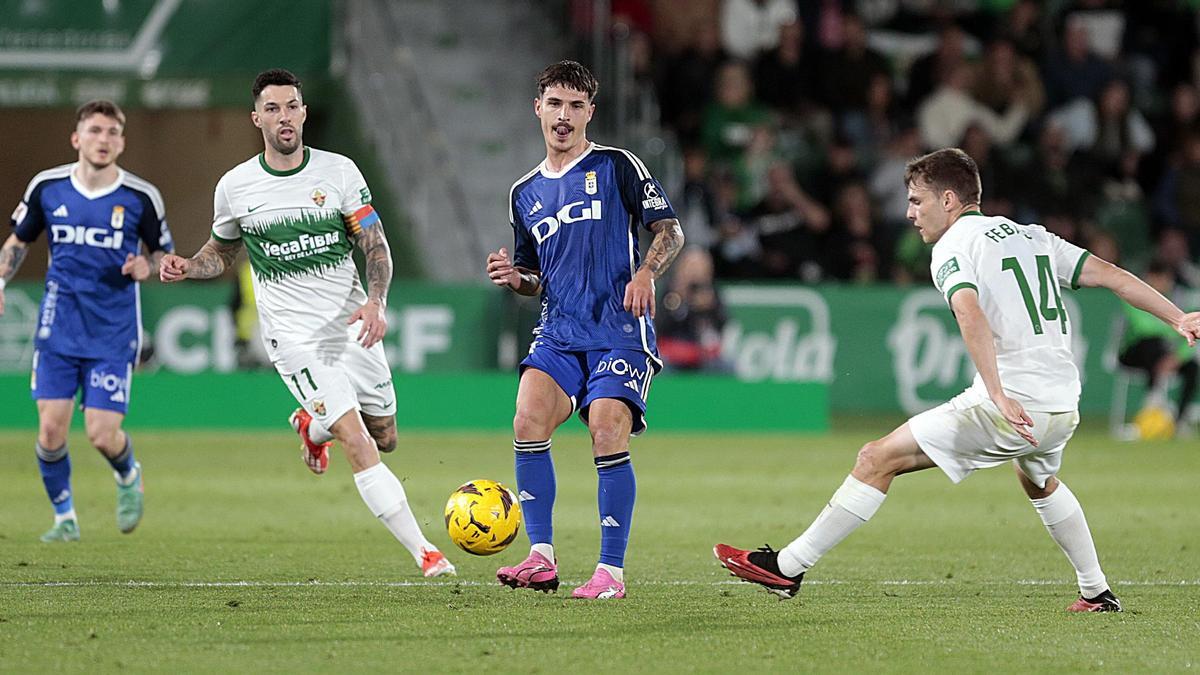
(483, 517)
(1154, 424)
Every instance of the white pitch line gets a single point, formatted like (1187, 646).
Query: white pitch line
(452, 584)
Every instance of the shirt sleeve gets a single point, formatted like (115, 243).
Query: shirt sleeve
(524, 247)
(225, 225)
(28, 220)
(952, 271)
(152, 228)
(357, 211)
(641, 193)
(1068, 260)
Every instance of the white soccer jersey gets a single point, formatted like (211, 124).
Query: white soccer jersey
(297, 226)
(1018, 271)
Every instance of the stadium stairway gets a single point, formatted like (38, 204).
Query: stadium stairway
(448, 104)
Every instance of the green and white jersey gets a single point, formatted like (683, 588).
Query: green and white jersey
(297, 227)
(1018, 271)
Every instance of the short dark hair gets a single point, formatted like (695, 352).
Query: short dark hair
(569, 74)
(99, 107)
(274, 76)
(946, 169)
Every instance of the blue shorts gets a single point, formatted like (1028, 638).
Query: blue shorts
(105, 382)
(623, 374)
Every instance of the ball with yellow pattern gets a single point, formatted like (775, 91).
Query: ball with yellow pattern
(483, 517)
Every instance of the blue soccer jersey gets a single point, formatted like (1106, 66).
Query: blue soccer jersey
(579, 229)
(90, 309)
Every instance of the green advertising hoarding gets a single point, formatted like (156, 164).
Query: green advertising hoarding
(882, 349)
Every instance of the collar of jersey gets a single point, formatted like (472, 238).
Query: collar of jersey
(262, 161)
(101, 192)
(559, 174)
(972, 212)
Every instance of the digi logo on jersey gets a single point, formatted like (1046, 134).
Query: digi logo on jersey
(99, 237)
(546, 227)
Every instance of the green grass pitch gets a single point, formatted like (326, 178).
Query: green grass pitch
(245, 562)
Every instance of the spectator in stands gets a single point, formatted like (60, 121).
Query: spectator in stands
(886, 181)
(691, 316)
(1174, 252)
(736, 254)
(846, 72)
(1006, 75)
(1056, 179)
(689, 77)
(752, 26)
(870, 129)
(1180, 194)
(790, 226)
(696, 206)
(929, 71)
(786, 76)
(1107, 128)
(855, 250)
(1074, 70)
(840, 165)
(1023, 27)
(945, 115)
(730, 120)
(1150, 346)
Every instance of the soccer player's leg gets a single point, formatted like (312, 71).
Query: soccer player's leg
(543, 403)
(1063, 516)
(105, 400)
(312, 382)
(614, 409)
(371, 379)
(854, 503)
(55, 380)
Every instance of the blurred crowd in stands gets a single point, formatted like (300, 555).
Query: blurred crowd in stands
(796, 118)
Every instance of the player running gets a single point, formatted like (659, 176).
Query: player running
(1002, 281)
(107, 230)
(299, 212)
(575, 218)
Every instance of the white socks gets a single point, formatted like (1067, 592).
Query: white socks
(546, 550)
(317, 433)
(384, 495)
(616, 572)
(60, 517)
(1063, 517)
(852, 505)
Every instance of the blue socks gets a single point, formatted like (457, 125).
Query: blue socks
(56, 476)
(616, 494)
(536, 488)
(123, 463)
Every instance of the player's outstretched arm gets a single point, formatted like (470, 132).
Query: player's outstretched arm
(1099, 272)
(210, 261)
(11, 256)
(378, 257)
(977, 334)
(668, 241)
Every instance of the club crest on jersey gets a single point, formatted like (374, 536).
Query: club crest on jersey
(319, 407)
(318, 197)
(589, 183)
(118, 217)
(653, 200)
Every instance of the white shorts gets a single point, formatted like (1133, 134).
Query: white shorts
(331, 382)
(968, 432)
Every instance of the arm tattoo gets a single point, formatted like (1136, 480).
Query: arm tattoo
(11, 257)
(213, 259)
(379, 262)
(668, 240)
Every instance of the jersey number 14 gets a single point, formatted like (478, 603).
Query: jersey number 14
(1047, 291)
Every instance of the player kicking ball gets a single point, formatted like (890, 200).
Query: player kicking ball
(299, 212)
(1002, 280)
(575, 219)
(107, 231)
